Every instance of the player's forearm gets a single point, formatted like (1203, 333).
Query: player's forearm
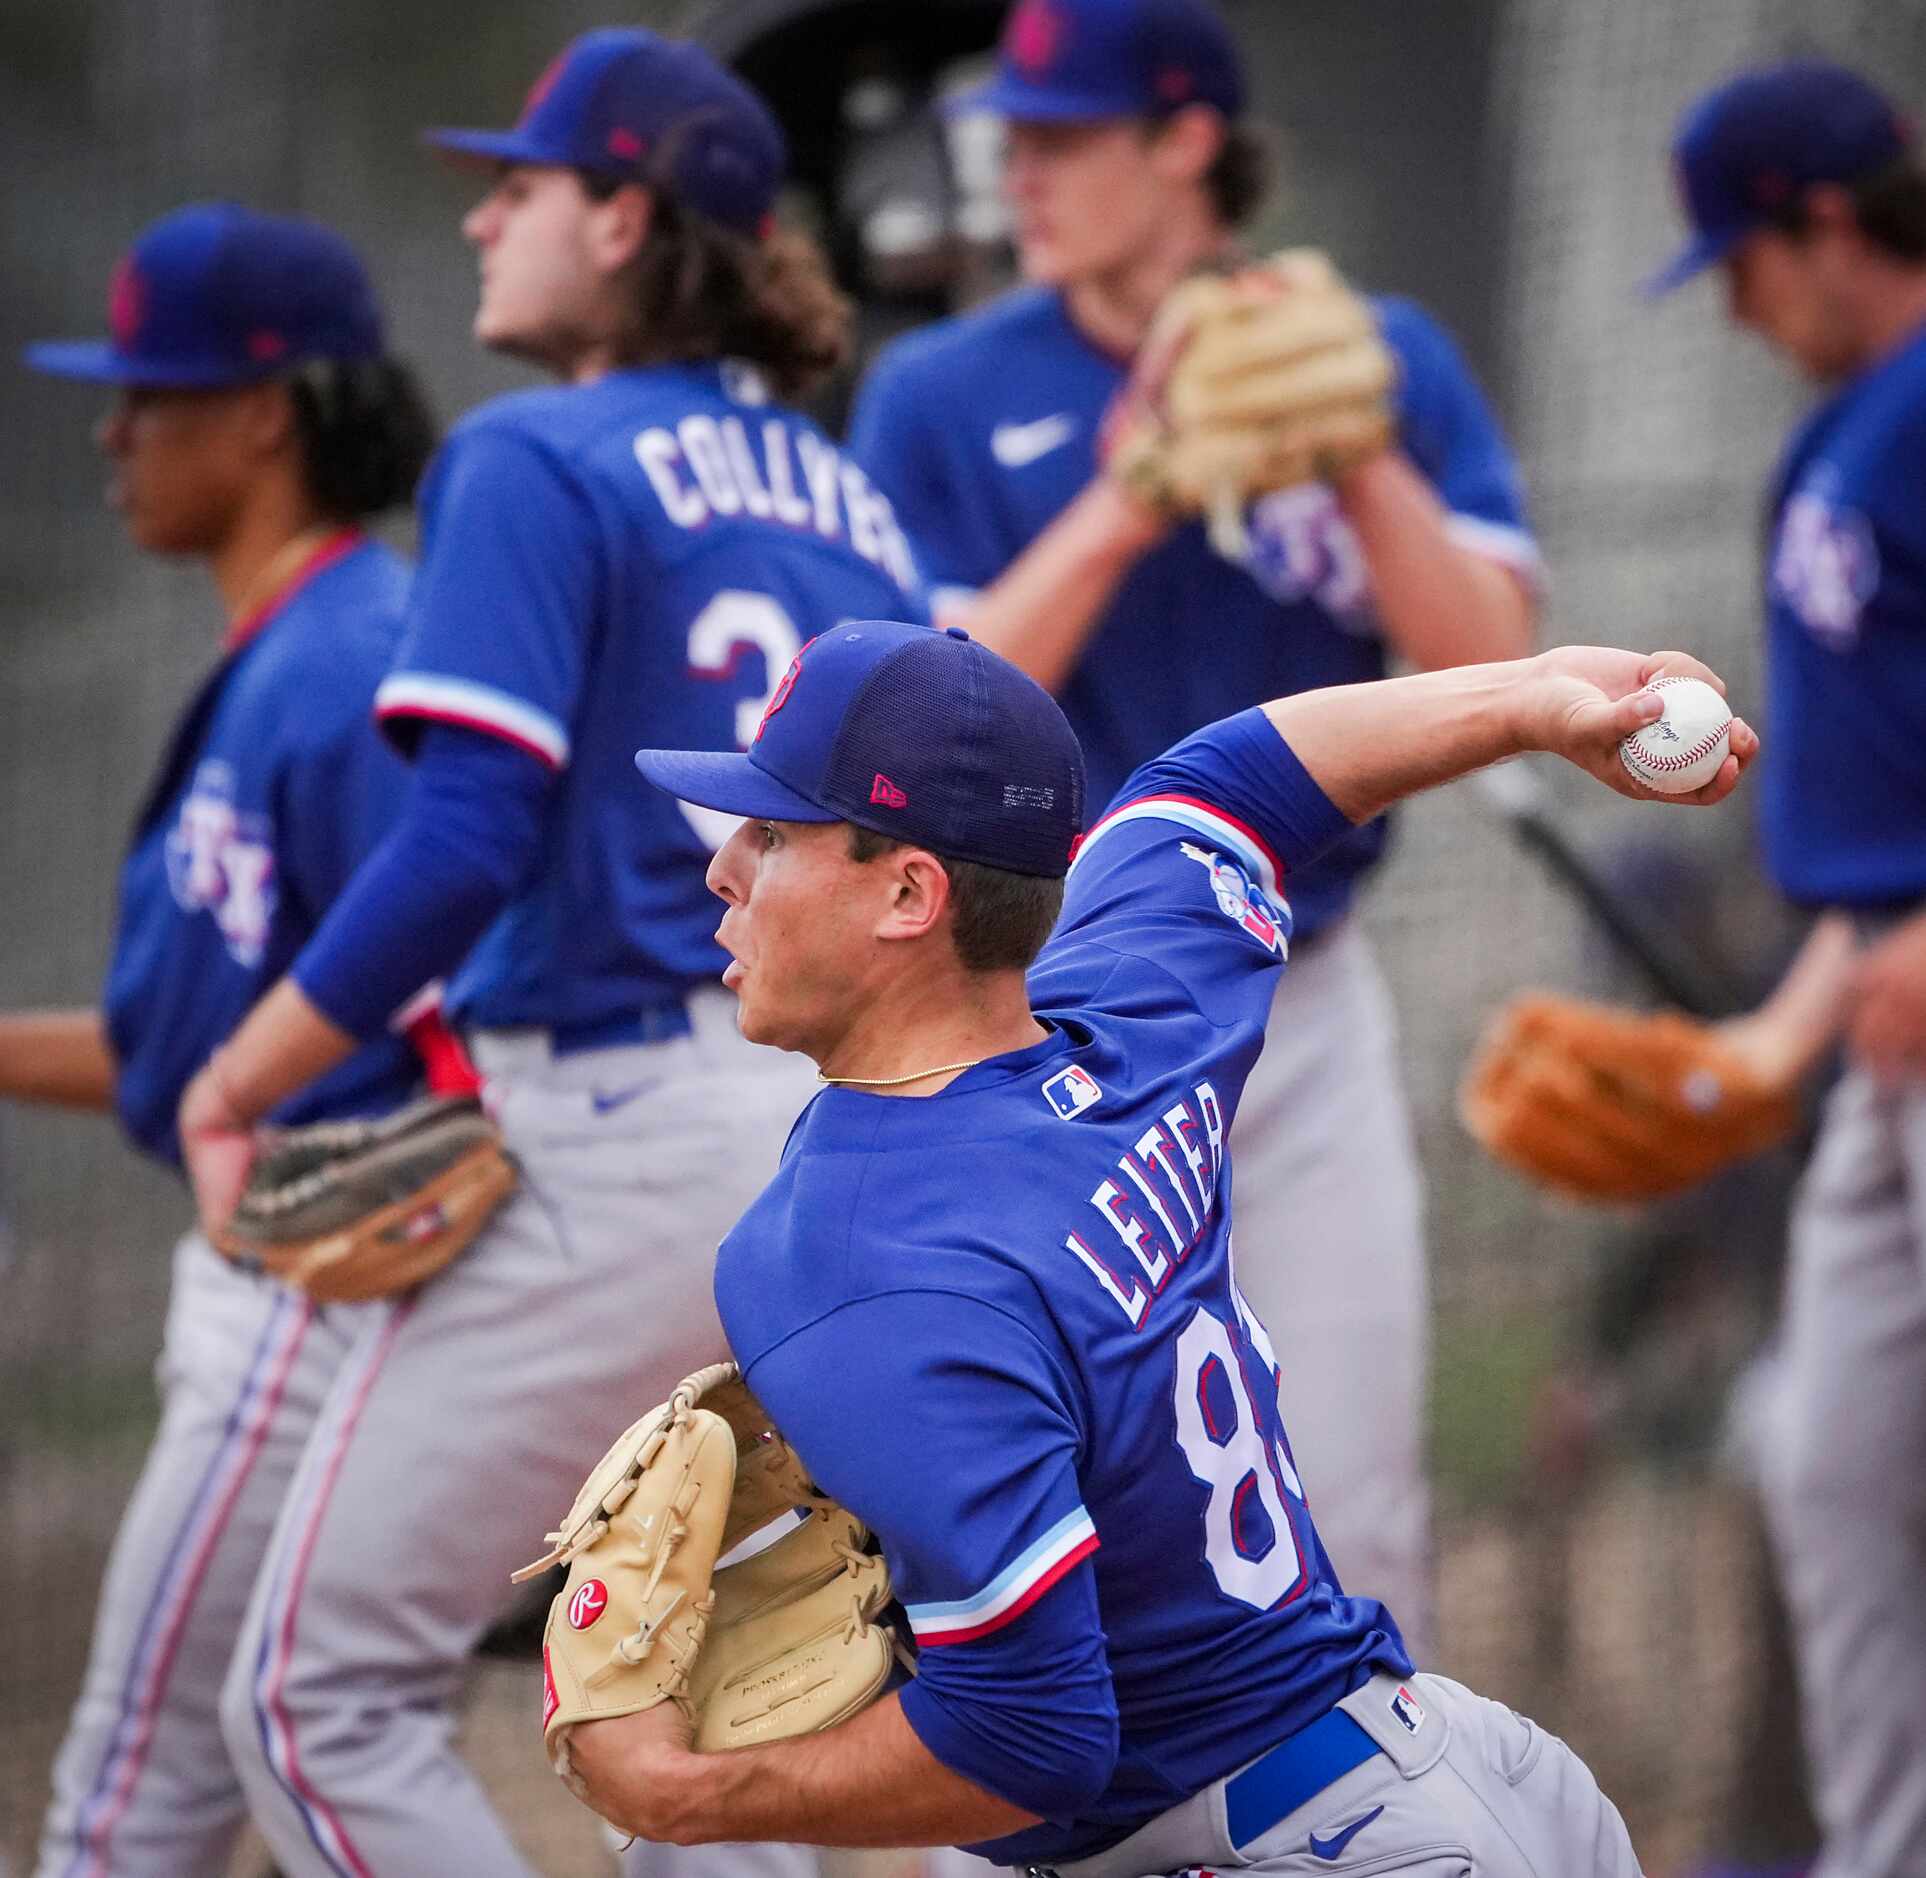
(57, 1057)
(1041, 612)
(1368, 746)
(282, 1045)
(868, 1782)
(1439, 603)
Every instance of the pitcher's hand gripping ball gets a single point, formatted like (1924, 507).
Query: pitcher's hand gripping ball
(1682, 750)
(782, 1642)
(1251, 381)
(356, 1210)
(1605, 1104)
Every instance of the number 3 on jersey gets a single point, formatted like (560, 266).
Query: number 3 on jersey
(736, 621)
(1250, 1543)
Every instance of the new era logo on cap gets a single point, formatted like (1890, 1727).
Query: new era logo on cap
(885, 793)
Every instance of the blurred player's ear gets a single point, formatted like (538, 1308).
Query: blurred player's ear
(264, 417)
(619, 225)
(1186, 144)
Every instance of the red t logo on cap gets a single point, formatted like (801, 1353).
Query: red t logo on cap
(1035, 36)
(126, 303)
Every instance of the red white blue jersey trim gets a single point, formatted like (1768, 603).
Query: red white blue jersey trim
(1012, 1592)
(1220, 830)
(479, 707)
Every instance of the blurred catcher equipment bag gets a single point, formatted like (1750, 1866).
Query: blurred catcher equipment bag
(1606, 1104)
(782, 1641)
(1249, 381)
(355, 1210)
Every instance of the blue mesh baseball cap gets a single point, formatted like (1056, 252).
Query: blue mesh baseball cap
(215, 295)
(1080, 60)
(623, 101)
(919, 734)
(1747, 149)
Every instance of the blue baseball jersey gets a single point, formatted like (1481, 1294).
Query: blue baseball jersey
(984, 428)
(273, 790)
(1076, 1464)
(1842, 787)
(633, 562)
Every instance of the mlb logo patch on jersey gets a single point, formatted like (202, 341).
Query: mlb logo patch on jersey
(1240, 899)
(1408, 1709)
(1071, 1091)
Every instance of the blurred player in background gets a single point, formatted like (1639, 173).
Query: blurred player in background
(632, 555)
(1802, 183)
(1130, 165)
(1013, 1212)
(257, 423)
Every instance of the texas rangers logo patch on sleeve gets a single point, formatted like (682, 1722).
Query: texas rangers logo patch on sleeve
(1240, 899)
(1071, 1091)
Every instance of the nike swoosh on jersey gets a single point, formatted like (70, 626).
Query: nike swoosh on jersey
(1333, 1847)
(1016, 445)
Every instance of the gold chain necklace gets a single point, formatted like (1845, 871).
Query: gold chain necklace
(893, 1082)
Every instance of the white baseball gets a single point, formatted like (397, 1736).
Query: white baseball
(1682, 750)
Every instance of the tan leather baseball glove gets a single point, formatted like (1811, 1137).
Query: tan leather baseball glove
(1616, 1105)
(1251, 381)
(355, 1210)
(781, 1641)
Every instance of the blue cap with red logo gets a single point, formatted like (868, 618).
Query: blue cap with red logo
(216, 295)
(1749, 147)
(623, 101)
(923, 735)
(1081, 60)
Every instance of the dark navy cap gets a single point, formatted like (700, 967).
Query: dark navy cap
(622, 101)
(216, 295)
(1080, 60)
(1749, 147)
(923, 735)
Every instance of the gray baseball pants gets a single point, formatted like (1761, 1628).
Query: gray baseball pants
(460, 1425)
(1845, 1479)
(1475, 1792)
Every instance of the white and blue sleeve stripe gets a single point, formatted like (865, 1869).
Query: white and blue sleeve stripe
(477, 707)
(1013, 1590)
(1222, 831)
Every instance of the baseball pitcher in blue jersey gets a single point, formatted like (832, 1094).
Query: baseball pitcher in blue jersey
(1130, 165)
(992, 1294)
(630, 554)
(1804, 185)
(257, 424)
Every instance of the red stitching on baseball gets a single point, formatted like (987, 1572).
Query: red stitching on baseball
(1682, 759)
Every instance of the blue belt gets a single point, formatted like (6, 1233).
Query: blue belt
(660, 1023)
(1297, 1770)
(1276, 1784)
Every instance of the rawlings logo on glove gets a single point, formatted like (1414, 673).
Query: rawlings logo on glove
(783, 1641)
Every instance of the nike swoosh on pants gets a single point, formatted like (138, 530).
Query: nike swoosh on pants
(1333, 1847)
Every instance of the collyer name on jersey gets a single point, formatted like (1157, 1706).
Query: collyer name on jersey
(707, 466)
(1156, 1203)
